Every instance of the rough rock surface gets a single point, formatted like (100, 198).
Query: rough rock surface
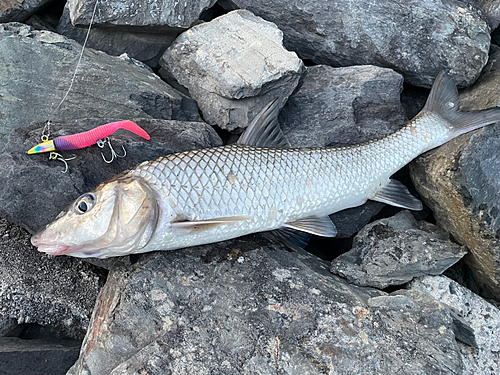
(248, 306)
(36, 357)
(36, 288)
(19, 10)
(492, 10)
(393, 251)
(158, 15)
(343, 106)
(105, 86)
(483, 318)
(460, 183)
(415, 38)
(145, 47)
(233, 66)
(32, 188)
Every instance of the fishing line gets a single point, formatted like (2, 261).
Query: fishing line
(46, 129)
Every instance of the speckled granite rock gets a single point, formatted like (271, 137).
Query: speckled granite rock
(460, 182)
(393, 251)
(248, 306)
(416, 38)
(483, 318)
(233, 66)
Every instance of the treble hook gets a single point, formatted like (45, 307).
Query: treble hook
(101, 143)
(57, 156)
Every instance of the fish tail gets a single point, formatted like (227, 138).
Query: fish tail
(443, 100)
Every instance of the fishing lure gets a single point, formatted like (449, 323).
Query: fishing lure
(88, 138)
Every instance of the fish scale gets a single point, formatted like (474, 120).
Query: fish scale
(275, 186)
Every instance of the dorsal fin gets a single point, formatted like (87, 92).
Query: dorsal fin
(264, 130)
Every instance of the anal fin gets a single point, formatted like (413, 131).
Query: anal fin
(396, 194)
(317, 225)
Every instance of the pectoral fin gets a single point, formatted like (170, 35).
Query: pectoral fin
(317, 225)
(202, 225)
(396, 194)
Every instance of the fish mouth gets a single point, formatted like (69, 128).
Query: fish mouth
(51, 249)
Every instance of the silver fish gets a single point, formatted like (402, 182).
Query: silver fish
(256, 185)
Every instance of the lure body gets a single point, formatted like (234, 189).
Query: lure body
(88, 138)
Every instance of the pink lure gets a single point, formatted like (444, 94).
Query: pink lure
(88, 138)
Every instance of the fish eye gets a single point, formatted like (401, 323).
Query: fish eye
(85, 203)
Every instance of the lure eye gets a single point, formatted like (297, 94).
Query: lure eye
(85, 203)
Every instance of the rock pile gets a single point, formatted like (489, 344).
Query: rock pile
(193, 74)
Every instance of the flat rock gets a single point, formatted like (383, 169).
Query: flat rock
(393, 251)
(36, 357)
(32, 188)
(145, 47)
(460, 182)
(416, 38)
(36, 288)
(19, 10)
(341, 107)
(482, 316)
(33, 88)
(233, 66)
(158, 15)
(250, 306)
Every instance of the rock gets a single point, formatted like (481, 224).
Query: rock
(350, 221)
(7, 325)
(459, 181)
(19, 10)
(145, 47)
(36, 357)
(417, 39)
(32, 188)
(483, 318)
(33, 88)
(157, 16)
(233, 66)
(36, 288)
(492, 10)
(393, 251)
(250, 306)
(343, 106)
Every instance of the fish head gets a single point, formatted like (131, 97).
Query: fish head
(117, 218)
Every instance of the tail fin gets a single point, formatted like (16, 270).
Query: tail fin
(443, 100)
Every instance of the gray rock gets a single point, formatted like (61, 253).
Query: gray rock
(460, 182)
(416, 38)
(7, 325)
(36, 357)
(483, 318)
(350, 221)
(36, 288)
(33, 88)
(19, 10)
(248, 306)
(233, 66)
(343, 106)
(32, 188)
(395, 250)
(492, 10)
(145, 47)
(160, 15)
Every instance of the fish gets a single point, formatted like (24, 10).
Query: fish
(256, 185)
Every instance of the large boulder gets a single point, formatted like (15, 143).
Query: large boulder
(159, 15)
(32, 188)
(250, 306)
(481, 316)
(233, 66)
(19, 10)
(142, 46)
(460, 181)
(105, 86)
(416, 38)
(393, 251)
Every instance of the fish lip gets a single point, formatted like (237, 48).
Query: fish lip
(49, 248)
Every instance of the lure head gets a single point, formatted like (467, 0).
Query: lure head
(45, 146)
(117, 218)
